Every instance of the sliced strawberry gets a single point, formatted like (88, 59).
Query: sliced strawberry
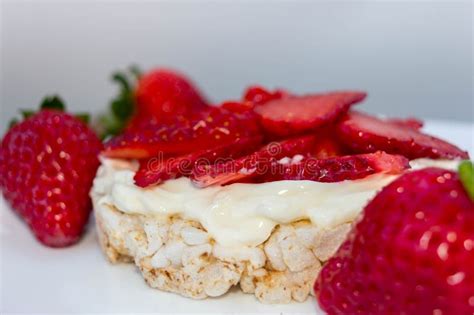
(326, 148)
(337, 169)
(327, 145)
(258, 95)
(238, 107)
(245, 168)
(300, 114)
(412, 123)
(364, 134)
(156, 170)
(203, 130)
(254, 95)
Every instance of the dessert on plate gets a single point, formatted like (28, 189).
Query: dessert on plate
(281, 195)
(257, 193)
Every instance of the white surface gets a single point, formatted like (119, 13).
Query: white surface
(413, 57)
(36, 279)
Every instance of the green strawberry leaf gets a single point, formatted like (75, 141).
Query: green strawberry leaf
(12, 123)
(53, 102)
(50, 102)
(136, 71)
(466, 175)
(122, 80)
(111, 125)
(27, 113)
(84, 117)
(122, 107)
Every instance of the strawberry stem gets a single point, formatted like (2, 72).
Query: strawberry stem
(466, 174)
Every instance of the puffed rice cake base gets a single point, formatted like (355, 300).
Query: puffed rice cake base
(178, 256)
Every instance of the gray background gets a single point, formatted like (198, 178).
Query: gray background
(414, 58)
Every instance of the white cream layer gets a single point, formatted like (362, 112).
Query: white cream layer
(242, 214)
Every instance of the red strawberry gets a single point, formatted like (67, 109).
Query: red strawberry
(238, 107)
(412, 253)
(326, 148)
(251, 165)
(365, 134)
(156, 170)
(412, 123)
(47, 164)
(300, 114)
(204, 130)
(337, 169)
(161, 93)
(254, 95)
(327, 145)
(258, 95)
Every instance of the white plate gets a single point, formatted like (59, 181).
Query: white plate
(37, 279)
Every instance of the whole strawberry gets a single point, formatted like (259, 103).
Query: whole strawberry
(412, 253)
(47, 164)
(161, 94)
